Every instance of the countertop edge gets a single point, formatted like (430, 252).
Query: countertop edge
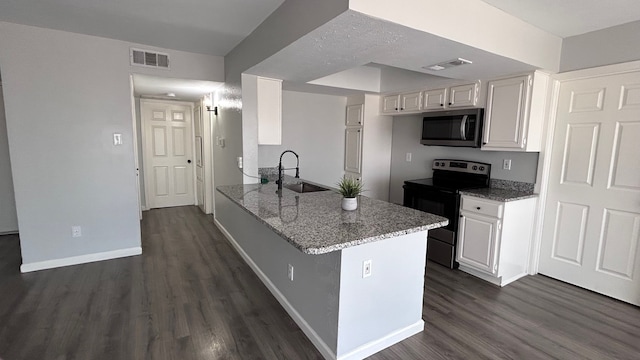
(337, 247)
(497, 197)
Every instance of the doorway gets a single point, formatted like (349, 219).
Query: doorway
(8, 215)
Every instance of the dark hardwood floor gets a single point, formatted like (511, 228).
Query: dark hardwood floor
(190, 296)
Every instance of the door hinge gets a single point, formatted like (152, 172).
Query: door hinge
(499, 225)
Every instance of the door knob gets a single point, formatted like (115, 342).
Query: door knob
(189, 161)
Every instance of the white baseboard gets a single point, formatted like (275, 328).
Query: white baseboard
(373, 347)
(500, 281)
(324, 349)
(82, 259)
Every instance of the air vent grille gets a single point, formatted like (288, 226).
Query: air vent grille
(149, 59)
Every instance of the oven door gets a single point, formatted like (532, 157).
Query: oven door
(441, 242)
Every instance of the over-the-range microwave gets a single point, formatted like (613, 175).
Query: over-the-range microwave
(453, 128)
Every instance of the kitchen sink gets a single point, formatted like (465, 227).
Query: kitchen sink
(304, 187)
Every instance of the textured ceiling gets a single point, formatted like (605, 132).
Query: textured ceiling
(353, 39)
(202, 26)
(566, 18)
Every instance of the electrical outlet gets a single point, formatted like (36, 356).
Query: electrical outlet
(239, 162)
(290, 272)
(366, 268)
(76, 231)
(506, 164)
(408, 157)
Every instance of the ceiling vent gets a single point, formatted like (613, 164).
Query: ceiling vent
(149, 59)
(447, 64)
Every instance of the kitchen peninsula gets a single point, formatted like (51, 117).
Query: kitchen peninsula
(352, 280)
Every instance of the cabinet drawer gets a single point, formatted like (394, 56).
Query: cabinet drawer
(478, 206)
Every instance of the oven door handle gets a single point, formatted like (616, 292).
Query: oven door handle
(463, 127)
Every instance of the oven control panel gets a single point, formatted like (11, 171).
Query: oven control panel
(464, 166)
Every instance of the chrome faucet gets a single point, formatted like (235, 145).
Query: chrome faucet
(281, 169)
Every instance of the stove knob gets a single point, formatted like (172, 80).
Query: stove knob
(475, 167)
(437, 163)
(481, 168)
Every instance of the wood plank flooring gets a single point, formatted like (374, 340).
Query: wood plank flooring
(190, 296)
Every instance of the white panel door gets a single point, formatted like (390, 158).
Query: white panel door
(167, 154)
(592, 218)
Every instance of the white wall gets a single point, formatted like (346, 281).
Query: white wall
(406, 138)
(613, 45)
(8, 217)
(65, 96)
(313, 127)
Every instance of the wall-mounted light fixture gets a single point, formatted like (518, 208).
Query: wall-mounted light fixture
(208, 103)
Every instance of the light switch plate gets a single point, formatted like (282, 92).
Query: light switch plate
(117, 139)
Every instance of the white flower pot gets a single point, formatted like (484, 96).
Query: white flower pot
(349, 203)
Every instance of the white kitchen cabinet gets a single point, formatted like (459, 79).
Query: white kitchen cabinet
(353, 150)
(355, 114)
(402, 103)
(494, 238)
(410, 101)
(434, 99)
(269, 111)
(463, 96)
(514, 114)
(390, 104)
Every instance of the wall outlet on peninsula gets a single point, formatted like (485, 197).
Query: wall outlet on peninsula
(366, 268)
(290, 272)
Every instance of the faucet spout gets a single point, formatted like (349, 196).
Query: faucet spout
(281, 169)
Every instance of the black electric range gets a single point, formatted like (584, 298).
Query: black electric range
(440, 195)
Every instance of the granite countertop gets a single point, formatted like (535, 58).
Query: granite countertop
(316, 224)
(499, 194)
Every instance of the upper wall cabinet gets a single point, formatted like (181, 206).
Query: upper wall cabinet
(269, 111)
(355, 115)
(446, 98)
(402, 103)
(434, 99)
(514, 115)
(463, 95)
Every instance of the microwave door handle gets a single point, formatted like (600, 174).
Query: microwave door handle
(463, 127)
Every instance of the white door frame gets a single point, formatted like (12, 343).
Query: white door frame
(544, 161)
(144, 137)
(134, 122)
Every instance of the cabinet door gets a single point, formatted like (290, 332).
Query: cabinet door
(463, 96)
(506, 113)
(410, 101)
(390, 104)
(269, 111)
(477, 242)
(434, 99)
(355, 115)
(353, 150)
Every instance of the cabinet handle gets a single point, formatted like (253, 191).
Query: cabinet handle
(441, 104)
(358, 130)
(396, 108)
(450, 104)
(478, 207)
(461, 216)
(484, 143)
(401, 108)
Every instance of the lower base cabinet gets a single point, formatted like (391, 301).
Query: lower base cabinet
(494, 238)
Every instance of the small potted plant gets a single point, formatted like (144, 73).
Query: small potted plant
(350, 188)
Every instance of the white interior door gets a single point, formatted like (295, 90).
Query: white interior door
(592, 217)
(167, 154)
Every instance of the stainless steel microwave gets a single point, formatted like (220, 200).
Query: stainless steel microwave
(453, 128)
